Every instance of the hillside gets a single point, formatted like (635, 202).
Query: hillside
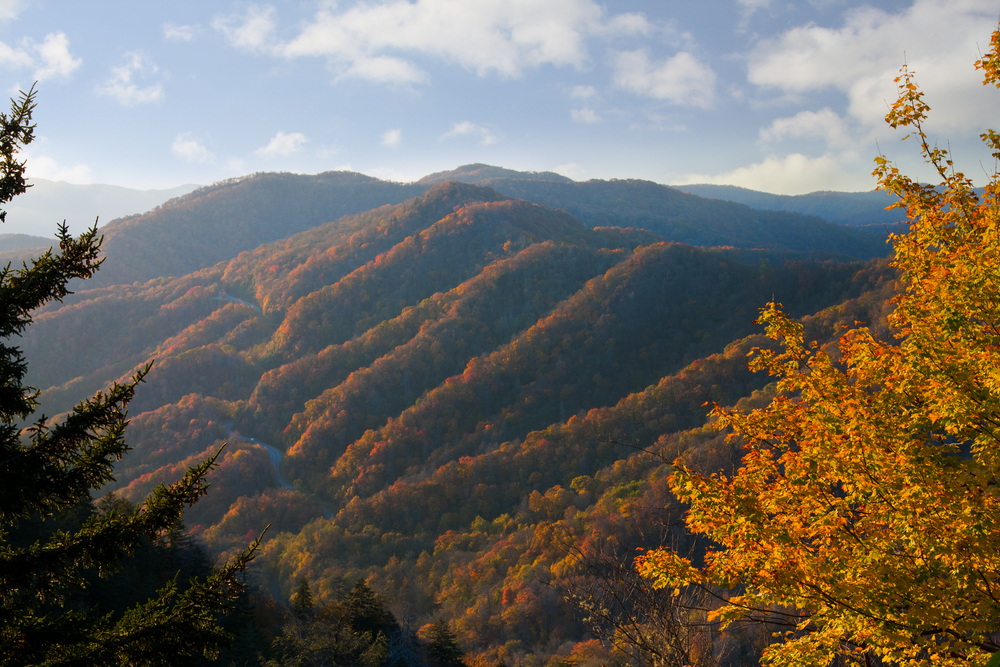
(686, 218)
(215, 223)
(18, 248)
(463, 386)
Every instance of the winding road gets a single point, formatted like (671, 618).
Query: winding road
(275, 457)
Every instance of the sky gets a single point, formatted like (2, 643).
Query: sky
(784, 97)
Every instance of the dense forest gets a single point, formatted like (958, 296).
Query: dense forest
(472, 390)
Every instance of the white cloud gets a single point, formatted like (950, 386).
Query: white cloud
(385, 69)
(627, 24)
(190, 150)
(824, 124)
(41, 166)
(15, 58)
(51, 58)
(754, 5)
(583, 92)
(283, 145)
(122, 85)
(790, 175)
(465, 128)
(249, 32)
(375, 40)
(861, 58)
(9, 9)
(584, 115)
(180, 33)
(392, 138)
(682, 79)
(324, 152)
(57, 61)
(236, 165)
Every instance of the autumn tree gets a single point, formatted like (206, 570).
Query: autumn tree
(51, 468)
(863, 521)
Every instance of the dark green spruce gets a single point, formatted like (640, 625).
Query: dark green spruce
(50, 468)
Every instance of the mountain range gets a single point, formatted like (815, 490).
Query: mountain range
(473, 383)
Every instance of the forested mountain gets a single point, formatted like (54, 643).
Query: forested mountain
(842, 208)
(16, 248)
(467, 388)
(478, 173)
(216, 223)
(678, 216)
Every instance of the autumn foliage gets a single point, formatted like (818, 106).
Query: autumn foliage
(862, 524)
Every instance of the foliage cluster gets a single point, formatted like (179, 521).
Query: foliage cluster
(862, 522)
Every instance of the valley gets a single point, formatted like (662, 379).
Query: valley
(471, 386)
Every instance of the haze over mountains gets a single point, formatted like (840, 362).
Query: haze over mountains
(48, 203)
(467, 372)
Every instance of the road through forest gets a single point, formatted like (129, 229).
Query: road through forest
(275, 457)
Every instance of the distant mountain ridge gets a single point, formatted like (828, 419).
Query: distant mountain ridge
(24, 241)
(48, 203)
(218, 222)
(842, 208)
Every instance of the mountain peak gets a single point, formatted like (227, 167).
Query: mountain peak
(472, 173)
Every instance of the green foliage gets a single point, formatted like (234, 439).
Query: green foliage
(442, 646)
(302, 601)
(50, 468)
(356, 631)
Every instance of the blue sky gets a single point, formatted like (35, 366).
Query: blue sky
(786, 97)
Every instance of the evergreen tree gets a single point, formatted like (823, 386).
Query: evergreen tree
(50, 468)
(302, 600)
(443, 649)
(366, 612)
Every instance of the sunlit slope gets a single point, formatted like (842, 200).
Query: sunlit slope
(644, 318)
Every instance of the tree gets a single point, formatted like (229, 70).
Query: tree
(52, 467)
(863, 521)
(302, 600)
(355, 631)
(442, 646)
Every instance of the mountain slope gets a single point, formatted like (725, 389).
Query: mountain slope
(218, 222)
(449, 380)
(678, 216)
